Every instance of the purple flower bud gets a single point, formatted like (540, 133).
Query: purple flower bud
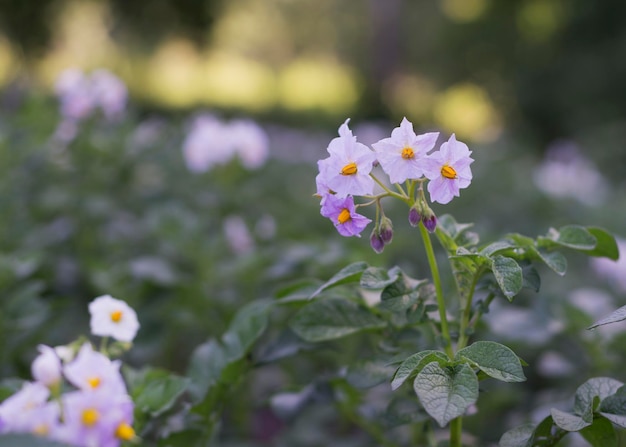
(430, 222)
(386, 230)
(414, 216)
(376, 241)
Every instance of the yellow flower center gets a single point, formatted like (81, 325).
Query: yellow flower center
(407, 153)
(448, 172)
(41, 430)
(116, 316)
(349, 169)
(344, 216)
(125, 431)
(94, 382)
(90, 417)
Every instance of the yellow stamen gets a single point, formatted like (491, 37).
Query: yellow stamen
(116, 316)
(448, 172)
(407, 153)
(125, 431)
(344, 216)
(349, 169)
(90, 417)
(94, 382)
(41, 430)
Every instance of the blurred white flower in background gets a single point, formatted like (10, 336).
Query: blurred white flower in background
(211, 142)
(238, 236)
(613, 271)
(111, 317)
(566, 173)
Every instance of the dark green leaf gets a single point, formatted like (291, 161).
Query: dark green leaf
(606, 245)
(532, 280)
(618, 315)
(508, 275)
(614, 407)
(494, 359)
(413, 364)
(331, 318)
(446, 393)
(158, 395)
(600, 434)
(571, 236)
(368, 374)
(496, 247)
(351, 273)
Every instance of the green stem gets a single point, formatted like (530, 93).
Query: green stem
(441, 304)
(402, 197)
(467, 313)
(456, 430)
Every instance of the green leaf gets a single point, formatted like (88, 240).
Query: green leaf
(618, 315)
(571, 422)
(508, 275)
(571, 236)
(553, 259)
(348, 274)
(365, 375)
(532, 280)
(496, 247)
(614, 407)
(376, 278)
(451, 227)
(495, 360)
(596, 387)
(600, 434)
(445, 393)
(331, 318)
(606, 245)
(158, 394)
(518, 437)
(414, 363)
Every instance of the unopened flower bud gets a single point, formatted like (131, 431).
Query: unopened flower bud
(430, 222)
(386, 230)
(376, 241)
(46, 368)
(414, 216)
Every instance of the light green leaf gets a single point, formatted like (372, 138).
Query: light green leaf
(618, 315)
(508, 275)
(571, 422)
(413, 364)
(553, 259)
(600, 434)
(495, 360)
(596, 387)
(376, 278)
(330, 318)
(445, 393)
(606, 245)
(496, 247)
(518, 437)
(571, 236)
(367, 374)
(351, 273)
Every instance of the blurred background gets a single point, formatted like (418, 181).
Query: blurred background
(117, 198)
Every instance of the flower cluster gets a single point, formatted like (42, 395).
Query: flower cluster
(211, 142)
(81, 95)
(96, 411)
(407, 159)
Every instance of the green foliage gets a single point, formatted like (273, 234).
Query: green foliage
(493, 359)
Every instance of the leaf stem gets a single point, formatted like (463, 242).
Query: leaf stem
(467, 313)
(441, 304)
(456, 430)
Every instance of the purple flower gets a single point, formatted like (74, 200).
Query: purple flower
(402, 155)
(448, 170)
(250, 142)
(341, 211)
(376, 242)
(96, 419)
(17, 412)
(46, 368)
(93, 371)
(109, 92)
(347, 169)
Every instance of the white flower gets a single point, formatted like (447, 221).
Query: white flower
(46, 368)
(111, 317)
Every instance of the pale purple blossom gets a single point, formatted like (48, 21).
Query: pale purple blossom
(347, 170)
(46, 368)
(28, 411)
(249, 141)
(402, 155)
(109, 92)
(93, 371)
(341, 211)
(448, 170)
(614, 272)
